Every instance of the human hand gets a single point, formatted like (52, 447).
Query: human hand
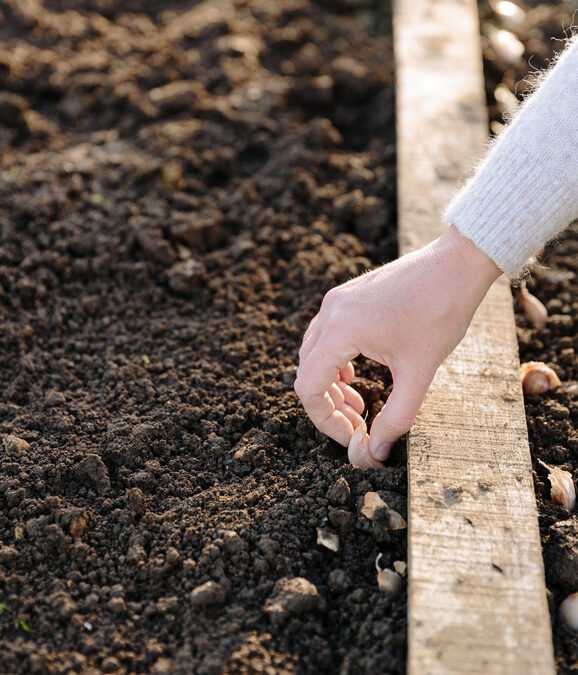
(407, 315)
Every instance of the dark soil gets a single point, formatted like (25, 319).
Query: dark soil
(551, 417)
(181, 182)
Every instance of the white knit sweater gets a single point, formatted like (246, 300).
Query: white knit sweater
(526, 189)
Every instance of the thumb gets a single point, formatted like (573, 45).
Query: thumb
(398, 414)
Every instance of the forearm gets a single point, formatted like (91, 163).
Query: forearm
(526, 189)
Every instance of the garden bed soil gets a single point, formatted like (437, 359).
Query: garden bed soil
(181, 182)
(551, 417)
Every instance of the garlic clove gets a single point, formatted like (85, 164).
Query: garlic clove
(538, 378)
(388, 581)
(533, 308)
(563, 490)
(358, 450)
(400, 567)
(569, 611)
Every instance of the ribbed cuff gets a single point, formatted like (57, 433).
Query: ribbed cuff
(526, 190)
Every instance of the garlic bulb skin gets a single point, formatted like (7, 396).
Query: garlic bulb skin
(533, 308)
(569, 611)
(563, 489)
(538, 378)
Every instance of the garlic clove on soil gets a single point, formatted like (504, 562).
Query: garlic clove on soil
(388, 581)
(563, 490)
(569, 611)
(538, 378)
(533, 308)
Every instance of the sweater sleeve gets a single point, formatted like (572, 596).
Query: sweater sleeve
(526, 189)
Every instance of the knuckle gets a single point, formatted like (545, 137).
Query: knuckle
(401, 425)
(298, 387)
(331, 299)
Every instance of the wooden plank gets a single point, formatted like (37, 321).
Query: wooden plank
(477, 598)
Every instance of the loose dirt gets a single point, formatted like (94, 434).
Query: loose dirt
(181, 183)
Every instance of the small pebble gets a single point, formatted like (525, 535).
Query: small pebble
(291, 596)
(209, 593)
(13, 443)
(339, 492)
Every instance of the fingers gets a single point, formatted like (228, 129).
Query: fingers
(351, 397)
(397, 416)
(333, 408)
(340, 396)
(310, 338)
(348, 373)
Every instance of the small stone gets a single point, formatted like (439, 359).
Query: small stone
(378, 511)
(232, 541)
(8, 555)
(152, 242)
(13, 443)
(62, 604)
(199, 231)
(12, 109)
(339, 492)
(322, 134)
(163, 666)
(291, 596)
(209, 593)
(187, 276)
(78, 525)
(92, 471)
(117, 606)
(179, 95)
(54, 398)
(110, 665)
(135, 502)
(561, 554)
(327, 539)
(14, 497)
(341, 519)
(338, 581)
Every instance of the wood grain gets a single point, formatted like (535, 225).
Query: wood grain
(477, 598)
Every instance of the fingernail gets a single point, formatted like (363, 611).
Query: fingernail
(383, 452)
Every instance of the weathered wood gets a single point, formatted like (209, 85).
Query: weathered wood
(477, 598)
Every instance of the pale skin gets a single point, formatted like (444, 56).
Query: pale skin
(408, 315)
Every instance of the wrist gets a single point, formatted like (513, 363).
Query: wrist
(482, 269)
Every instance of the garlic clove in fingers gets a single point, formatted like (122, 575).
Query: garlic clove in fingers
(538, 378)
(358, 449)
(563, 490)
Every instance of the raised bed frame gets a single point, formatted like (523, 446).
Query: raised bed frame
(477, 596)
